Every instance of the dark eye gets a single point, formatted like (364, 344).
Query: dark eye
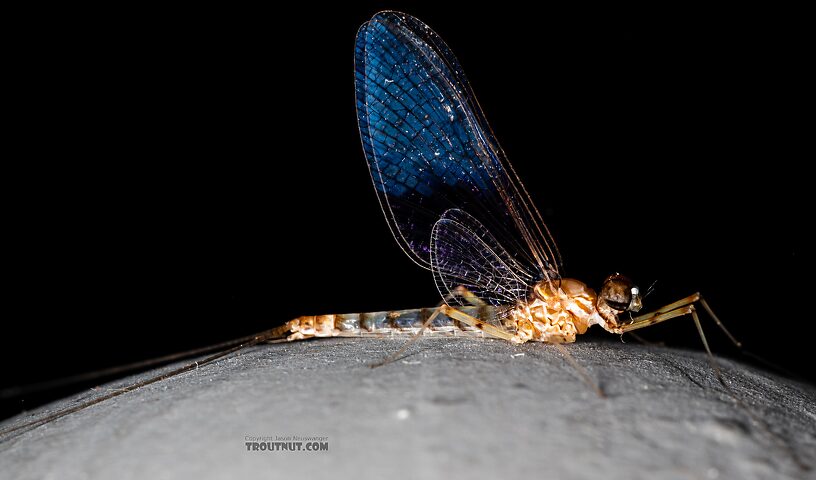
(617, 292)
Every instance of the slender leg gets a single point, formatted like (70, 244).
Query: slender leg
(718, 322)
(494, 331)
(499, 333)
(684, 306)
(780, 441)
(668, 308)
(489, 329)
(643, 341)
(658, 318)
(468, 296)
(451, 312)
(582, 372)
(676, 310)
(410, 342)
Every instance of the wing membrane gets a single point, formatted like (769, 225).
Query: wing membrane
(430, 149)
(464, 253)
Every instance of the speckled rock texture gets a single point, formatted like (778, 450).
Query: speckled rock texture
(449, 408)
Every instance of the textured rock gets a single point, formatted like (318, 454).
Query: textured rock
(463, 407)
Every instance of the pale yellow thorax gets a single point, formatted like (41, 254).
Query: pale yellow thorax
(557, 313)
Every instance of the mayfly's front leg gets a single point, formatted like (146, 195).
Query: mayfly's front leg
(684, 306)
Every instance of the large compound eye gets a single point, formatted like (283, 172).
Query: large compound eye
(617, 292)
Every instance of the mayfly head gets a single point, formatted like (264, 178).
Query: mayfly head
(617, 295)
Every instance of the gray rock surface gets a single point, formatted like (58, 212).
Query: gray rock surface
(466, 408)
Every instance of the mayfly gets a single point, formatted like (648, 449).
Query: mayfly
(457, 208)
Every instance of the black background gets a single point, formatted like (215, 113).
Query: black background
(177, 178)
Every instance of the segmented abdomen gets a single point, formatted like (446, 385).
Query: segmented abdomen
(383, 324)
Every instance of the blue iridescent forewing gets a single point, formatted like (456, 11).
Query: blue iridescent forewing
(429, 148)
